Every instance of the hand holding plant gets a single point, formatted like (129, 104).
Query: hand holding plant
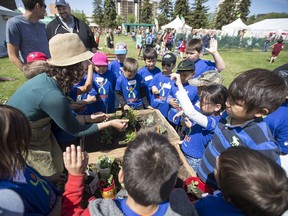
(75, 160)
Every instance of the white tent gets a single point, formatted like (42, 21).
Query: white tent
(264, 27)
(5, 14)
(176, 24)
(233, 28)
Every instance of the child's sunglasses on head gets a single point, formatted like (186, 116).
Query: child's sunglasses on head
(168, 65)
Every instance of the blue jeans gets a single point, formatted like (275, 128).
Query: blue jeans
(193, 162)
(265, 46)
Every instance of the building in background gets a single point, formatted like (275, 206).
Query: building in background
(126, 7)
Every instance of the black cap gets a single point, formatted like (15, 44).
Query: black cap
(186, 65)
(169, 58)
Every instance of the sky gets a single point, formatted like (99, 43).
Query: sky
(257, 6)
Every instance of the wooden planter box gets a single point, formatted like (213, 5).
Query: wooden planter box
(119, 151)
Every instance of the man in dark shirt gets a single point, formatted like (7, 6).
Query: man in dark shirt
(67, 23)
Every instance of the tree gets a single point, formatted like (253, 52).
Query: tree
(80, 15)
(166, 12)
(131, 18)
(146, 12)
(182, 9)
(243, 9)
(110, 13)
(199, 16)
(98, 13)
(226, 13)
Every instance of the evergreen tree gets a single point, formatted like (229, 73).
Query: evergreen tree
(182, 9)
(98, 13)
(243, 9)
(166, 12)
(226, 13)
(110, 13)
(80, 15)
(146, 12)
(199, 17)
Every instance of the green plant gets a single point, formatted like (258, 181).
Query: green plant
(130, 136)
(107, 182)
(105, 162)
(192, 187)
(106, 136)
(150, 120)
(132, 116)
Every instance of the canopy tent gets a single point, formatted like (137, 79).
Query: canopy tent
(177, 24)
(5, 14)
(233, 28)
(264, 27)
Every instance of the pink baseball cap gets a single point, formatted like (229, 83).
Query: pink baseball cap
(100, 58)
(36, 56)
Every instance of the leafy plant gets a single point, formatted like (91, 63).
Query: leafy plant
(132, 116)
(161, 130)
(106, 136)
(150, 120)
(105, 162)
(192, 187)
(130, 136)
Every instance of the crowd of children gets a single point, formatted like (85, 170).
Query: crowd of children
(235, 136)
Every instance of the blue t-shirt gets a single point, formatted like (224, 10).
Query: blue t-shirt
(27, 36)
(121, 204)
(197, 138)
(203, 65)
(130, 89)
(104, 85)
(147, 76)
(115, 66)
(164, 85)
(38, 195)
(277, 121)
(216, 205)
(192, 94)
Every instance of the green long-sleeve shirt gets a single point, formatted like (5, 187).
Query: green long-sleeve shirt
(41, 97)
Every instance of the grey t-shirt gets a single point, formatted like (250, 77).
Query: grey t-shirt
(27, 36)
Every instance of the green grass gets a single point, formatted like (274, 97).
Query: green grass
(236, 61)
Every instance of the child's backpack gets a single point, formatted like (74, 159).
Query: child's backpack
(149, 39)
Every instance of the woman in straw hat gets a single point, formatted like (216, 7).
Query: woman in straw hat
(43, 98)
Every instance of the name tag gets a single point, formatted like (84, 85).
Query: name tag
(99, 79)
(131, 82)
(147, 78)
(167, 85)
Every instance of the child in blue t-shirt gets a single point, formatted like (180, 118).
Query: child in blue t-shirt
(130, 88)
(161, 85)
(116, 65)
(200, 126)
(104, 82)
(186, 70)
(251, 184)
(149, 70)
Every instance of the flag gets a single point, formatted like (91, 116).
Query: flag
(156, 25)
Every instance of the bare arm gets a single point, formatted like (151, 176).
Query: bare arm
(88, 84)
(13, 53)
(213, 50)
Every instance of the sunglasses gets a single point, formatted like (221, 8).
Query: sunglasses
(168, 65)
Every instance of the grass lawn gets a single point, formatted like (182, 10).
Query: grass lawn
(236, 60)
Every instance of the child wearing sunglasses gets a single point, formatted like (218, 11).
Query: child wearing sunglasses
(161, 85)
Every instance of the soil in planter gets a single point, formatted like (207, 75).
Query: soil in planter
(113, 139)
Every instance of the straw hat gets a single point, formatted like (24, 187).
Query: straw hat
(67, 49)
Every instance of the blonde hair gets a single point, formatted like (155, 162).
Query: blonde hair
(34, 68)
(130, 64)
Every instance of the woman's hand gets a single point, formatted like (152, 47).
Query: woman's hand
(98, 117)
(75, 160)
(57, 178)
(119, 124)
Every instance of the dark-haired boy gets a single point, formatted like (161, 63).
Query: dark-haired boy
(161, 84)
(251, 184)
(148, 71)
(149, 173)
(252, 95)
(194, 50)
(186, 69)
